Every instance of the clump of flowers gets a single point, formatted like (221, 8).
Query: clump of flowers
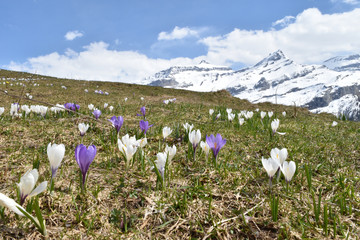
(72, 106)
(128, 146)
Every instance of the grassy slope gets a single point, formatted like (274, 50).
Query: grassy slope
(231, 201)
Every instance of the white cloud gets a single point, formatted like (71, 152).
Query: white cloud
(72, 35)
(284, 22)
(178, 33)
(97, 62)
(311, 38)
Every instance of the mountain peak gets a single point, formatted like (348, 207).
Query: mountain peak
(273, 57)
(276, 55)
(203, 62)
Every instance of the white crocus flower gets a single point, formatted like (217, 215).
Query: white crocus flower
(160, 162)
(262, 114)
(271, 166)
(194, 138)
(26, 109)
(2, 110)
(334, 123)
(128, 146)
(127, 140)
(55, 154)
(91, 107)
(228, 110)
(142, 142)
(166, 131)
(125, 99)
(170, 151)
(284, 113)
(249, 114)
(106, 105)
(83, 128)
(205, 147)
(57, 108)
(279, 155)
(129, 152)
(14, 110)
(27, 184)
(9, 203)
(211, 111)
(43, 110)
(275, 125)
(231, 116)
(270, 114)
(241, 121)
(188, 127)
(142, 99)
(218, 116)
(111, 108)
(288, 169)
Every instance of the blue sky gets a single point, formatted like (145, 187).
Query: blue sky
(118, 40)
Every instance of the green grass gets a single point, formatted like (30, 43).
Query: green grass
(231, 200)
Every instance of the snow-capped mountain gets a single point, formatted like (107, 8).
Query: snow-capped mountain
(347, 63)
(186, 77)
(275, 79)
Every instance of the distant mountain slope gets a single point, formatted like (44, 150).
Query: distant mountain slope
(276, 79)
(347, 63)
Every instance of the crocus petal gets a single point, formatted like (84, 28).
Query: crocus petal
(9, 203)
(275, 154)
(27, 182)
(270, 165)
(55, 154)
(84, 157)
(283, 153)
(288, 169)
(39, 189)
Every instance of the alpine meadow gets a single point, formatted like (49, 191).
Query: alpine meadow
(106, 160)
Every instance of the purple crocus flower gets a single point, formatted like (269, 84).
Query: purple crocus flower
(215, 143)
(144, 126)
(72, 106)
(117, 122)
(96, 113)
(67, 105)
(143, 111)
(84, 157)
(75, 107)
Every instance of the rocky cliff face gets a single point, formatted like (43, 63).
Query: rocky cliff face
(277, 79)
